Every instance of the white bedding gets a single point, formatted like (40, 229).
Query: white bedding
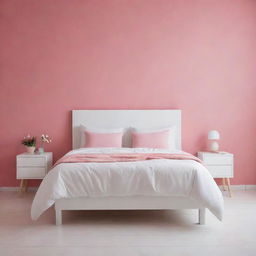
(164, 177)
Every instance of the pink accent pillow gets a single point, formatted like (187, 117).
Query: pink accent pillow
(104, 140)
(159, 139)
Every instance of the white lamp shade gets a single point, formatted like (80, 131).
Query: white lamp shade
(213, 135)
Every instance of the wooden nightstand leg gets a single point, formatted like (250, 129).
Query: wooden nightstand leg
(22, 183)
(26, 186)
(223, 184)
(229, 189)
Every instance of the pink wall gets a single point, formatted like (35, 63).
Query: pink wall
(198, 56)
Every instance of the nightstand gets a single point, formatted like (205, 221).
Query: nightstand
(32, 166)
(220, 165)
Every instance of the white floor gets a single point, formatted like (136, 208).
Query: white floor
(128, 232)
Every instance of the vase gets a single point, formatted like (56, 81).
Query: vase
(30, 150)
(41, 148)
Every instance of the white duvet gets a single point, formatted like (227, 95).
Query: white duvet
(161, 177)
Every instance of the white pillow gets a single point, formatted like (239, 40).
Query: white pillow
(172, 136)
(96, 130)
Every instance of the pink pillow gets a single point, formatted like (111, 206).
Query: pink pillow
(159, 139)
(105, 140)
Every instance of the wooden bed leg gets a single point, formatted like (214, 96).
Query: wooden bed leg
(58, 216)
(202, 216)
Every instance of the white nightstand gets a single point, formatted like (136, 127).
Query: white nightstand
(32, 166)
(220, 165)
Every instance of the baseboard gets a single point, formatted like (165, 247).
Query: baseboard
(233, 187)
(250, 187)
(241, 187)
(32, 189)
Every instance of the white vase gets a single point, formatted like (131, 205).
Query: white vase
(41, 150)
(31, 150)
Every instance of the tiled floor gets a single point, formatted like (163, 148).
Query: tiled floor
(128, 232)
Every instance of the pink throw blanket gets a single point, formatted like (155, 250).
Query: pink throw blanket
(128, 157)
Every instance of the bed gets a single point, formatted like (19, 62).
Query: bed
(186, 184)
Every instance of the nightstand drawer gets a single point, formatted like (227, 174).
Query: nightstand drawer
(31, 161)
(224, 171)
(218, 160)
(31, 173)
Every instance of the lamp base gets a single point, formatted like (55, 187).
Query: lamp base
(214, 146)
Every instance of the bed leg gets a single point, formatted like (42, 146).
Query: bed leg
(58, 217)
(202, 216)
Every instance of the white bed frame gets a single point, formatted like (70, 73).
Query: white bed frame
(143, 119)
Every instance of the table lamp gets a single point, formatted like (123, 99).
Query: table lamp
(213, 136)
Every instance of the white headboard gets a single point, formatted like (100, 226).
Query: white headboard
(142, 119)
